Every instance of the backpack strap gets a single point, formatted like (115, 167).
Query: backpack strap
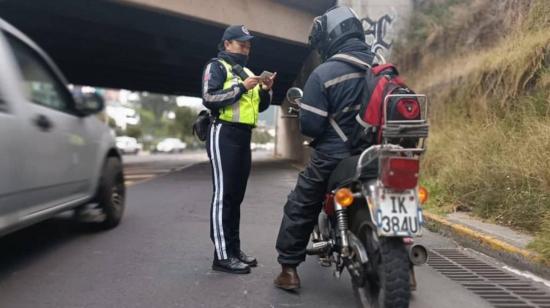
(377, 69)
(352, 108)
(346, 58)
(354, 61)
(338, 129)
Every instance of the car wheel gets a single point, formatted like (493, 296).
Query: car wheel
(109, 203)
(111, 195)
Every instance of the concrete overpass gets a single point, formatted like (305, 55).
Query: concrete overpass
(162, 45)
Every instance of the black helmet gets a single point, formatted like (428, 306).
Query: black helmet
(337, 25)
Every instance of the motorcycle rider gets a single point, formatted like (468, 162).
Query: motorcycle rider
(332, 95)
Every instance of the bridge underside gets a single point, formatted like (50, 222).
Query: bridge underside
(108, 44)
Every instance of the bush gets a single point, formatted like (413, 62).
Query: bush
(134, 131)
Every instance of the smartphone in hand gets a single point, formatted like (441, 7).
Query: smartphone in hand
(265, 75)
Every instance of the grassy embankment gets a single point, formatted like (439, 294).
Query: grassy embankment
(486, 67)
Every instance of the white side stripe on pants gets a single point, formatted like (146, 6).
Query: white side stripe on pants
(220, 198)
(215, 202)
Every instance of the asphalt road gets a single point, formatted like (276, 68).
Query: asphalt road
(139, 168)
(160, 256)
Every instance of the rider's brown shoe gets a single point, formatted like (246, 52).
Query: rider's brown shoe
(288, 278)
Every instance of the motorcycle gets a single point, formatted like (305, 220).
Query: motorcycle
(372, 211)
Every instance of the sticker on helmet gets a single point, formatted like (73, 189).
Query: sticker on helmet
(245, 30)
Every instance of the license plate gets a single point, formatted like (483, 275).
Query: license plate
(398, 214)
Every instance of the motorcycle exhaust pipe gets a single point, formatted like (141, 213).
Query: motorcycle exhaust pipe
(318, 248)
(418, 254)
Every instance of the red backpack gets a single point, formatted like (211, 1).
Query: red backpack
(380, 81)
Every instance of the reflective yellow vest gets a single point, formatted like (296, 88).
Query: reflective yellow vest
(246, 109)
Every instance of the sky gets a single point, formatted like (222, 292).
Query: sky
(189, 101)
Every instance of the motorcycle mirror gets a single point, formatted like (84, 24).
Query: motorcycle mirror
(294, 94)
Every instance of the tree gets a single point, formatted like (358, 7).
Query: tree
(155, 107)
(261, 136)
(183, 123)
(147, 119)
(112, 124)
(134, 131)
(157, 103)
(161, 117)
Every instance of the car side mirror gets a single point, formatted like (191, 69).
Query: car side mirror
(89, 103)
(294, 94)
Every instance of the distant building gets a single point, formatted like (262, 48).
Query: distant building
(122, 115)
(119, 109)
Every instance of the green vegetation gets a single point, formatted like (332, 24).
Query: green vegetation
(486, 68)
(134, 131)
(261, 136)
(160, 118)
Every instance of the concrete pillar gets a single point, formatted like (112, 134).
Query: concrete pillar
(289, 142)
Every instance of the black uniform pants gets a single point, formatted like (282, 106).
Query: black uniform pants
(303, 207)
(228, 148)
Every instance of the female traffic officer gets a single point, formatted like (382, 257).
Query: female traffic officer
(235, 97)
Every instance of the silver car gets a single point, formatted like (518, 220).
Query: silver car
(54, 154)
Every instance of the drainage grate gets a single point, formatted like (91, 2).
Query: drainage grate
(501, 289)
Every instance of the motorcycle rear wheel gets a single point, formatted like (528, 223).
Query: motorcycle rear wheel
(386, 284)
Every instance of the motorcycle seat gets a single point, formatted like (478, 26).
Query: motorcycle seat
(345, 172)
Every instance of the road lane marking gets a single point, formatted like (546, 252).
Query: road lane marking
(139, 176)
(133, 179)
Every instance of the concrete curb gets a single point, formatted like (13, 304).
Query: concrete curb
(510, 254)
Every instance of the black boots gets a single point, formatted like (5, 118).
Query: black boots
(232, 265)
(250, 261)
(239, 264)
(288, 278)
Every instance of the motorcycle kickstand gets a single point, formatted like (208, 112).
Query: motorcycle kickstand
(325, 261)
(338, 272)
(413, 284)
(339, 268)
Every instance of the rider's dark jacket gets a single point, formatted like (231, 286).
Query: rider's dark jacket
(333, 91)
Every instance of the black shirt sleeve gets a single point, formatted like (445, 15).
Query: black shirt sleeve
(265, 99)
(213, 95)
